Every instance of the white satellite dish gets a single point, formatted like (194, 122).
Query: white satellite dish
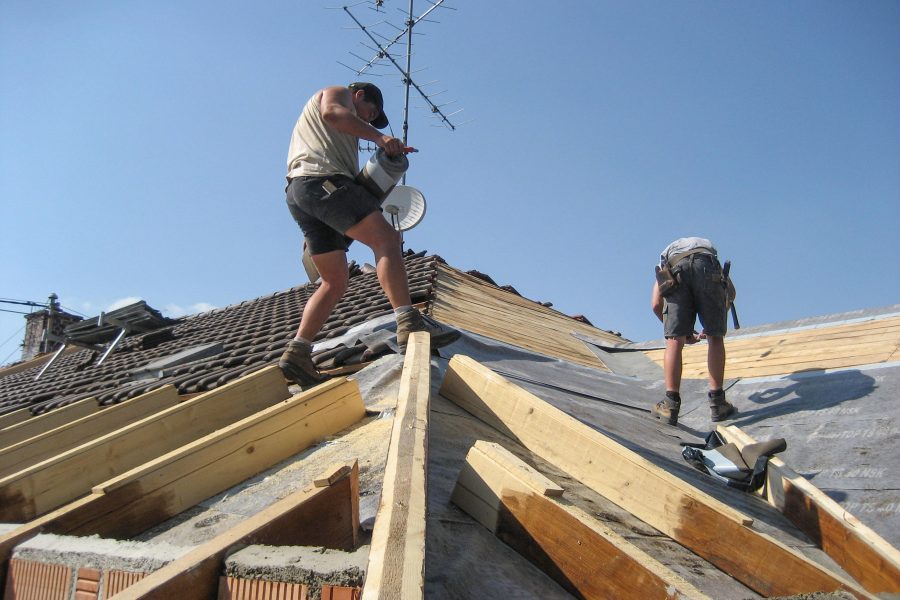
(404, 208)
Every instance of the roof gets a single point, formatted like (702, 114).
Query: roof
(219, 450)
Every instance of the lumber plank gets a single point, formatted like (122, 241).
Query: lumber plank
(14, 418)
(711, 529)
(164, 487)
(50, 484)
(585, 557)
(396, 567)
(29, 452)
(149, 495)
(316, 516)
(47, 421)
(864, 554)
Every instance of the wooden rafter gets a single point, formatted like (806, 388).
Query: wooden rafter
(158, 490)
(709, 528)
(33, 450)
(865, 555)
(50, 484)
(586, 558)
(317, 516)
(396, 567)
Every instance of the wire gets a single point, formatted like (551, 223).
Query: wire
(7, 341)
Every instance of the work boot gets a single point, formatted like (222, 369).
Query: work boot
(719, 408)
(667, 410)
(297, 364)
(411, 321)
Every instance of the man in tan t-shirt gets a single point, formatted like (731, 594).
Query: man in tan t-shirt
(333, 210)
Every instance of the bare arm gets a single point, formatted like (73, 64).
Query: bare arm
(336, 106)
(657, 302)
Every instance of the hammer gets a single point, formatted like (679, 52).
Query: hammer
(725, 270)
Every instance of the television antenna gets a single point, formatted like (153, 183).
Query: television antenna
(382, 46)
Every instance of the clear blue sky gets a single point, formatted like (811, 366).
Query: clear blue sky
(142, 148)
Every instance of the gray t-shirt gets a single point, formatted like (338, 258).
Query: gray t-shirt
(318, 150)
(686, 244)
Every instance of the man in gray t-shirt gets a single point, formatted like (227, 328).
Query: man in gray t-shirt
(703, 292)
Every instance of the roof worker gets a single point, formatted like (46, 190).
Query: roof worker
(324, 150)
(690, 283)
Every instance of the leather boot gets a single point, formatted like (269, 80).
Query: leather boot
(667, 410)
(297, 365)
(411, 321)
(719, 408)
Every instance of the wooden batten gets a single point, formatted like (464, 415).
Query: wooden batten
(711, 529)
(586, 558)
(316, 516)
(33, 426)
(14, 418)
(474, 305)
(396, 568)
(835, 346)
(154, 492)
(29, 452)
(864, 554)
(50, 484)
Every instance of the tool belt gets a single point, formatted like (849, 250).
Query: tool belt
(679, 257)
(667, 280)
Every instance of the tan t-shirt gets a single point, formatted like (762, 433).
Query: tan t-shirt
(320, 150)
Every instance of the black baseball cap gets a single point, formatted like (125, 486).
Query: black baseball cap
(373, 94)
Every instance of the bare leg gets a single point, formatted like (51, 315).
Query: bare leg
(715, 362)
(672, 363)
(374, 232)
(332, 268)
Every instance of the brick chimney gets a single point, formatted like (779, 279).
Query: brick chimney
(51, 320)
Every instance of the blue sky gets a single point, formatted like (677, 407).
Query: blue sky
(142, 148)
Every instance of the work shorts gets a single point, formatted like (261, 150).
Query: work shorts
(325, 218)
(701, 292)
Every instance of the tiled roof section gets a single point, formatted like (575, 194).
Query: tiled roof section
(253, 334)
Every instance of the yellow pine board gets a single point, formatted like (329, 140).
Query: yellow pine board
(694, 519)
(865, 555)
(42, 446)
(396, 567)
(47, 421)
(64, 477)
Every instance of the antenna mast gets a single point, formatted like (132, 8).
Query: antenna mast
(382, 52)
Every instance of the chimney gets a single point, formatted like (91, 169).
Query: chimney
(44, 328)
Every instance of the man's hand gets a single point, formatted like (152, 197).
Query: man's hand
(392, 146)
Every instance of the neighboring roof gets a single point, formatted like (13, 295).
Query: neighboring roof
(565, 364)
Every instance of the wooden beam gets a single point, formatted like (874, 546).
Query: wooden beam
(50, 484)
(162, 488)
(316, 516)
(396, 568)
(488, 471)
(47, 421)
(14, 418)
(147, 496)
(711, 529)
(586, 558)
(864, 554)
(29, 452)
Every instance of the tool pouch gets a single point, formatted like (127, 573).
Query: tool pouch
(667, 281)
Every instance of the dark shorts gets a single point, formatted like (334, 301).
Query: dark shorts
(700, 293)
(325, 218)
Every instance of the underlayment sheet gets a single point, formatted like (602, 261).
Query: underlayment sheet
(841, 429)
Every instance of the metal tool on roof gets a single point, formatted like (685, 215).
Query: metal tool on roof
(726, 269)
